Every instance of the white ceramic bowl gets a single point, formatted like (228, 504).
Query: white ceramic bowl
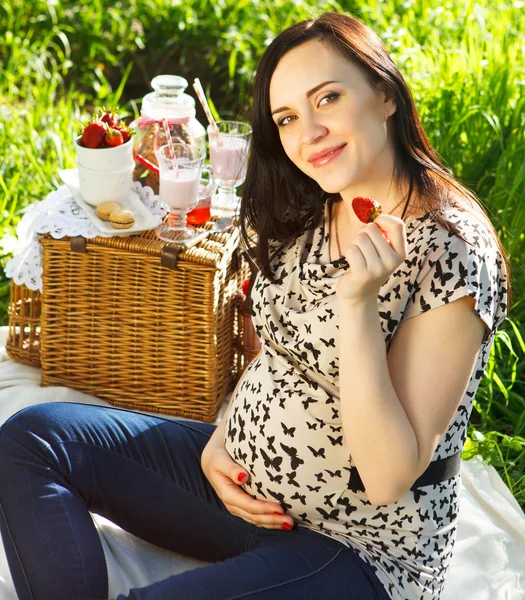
(102, 186)
(105, 159)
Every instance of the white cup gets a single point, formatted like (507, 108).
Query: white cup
(102, 186)
(106, 159)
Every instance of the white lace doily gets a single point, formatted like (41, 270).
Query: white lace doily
(59, 215)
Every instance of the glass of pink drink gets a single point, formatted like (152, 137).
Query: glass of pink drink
(180, 188)
(229, 159)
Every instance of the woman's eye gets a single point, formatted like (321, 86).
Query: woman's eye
(329, 98)
(284, 121)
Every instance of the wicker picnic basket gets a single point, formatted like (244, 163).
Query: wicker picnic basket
(23, 339)
(133, 321)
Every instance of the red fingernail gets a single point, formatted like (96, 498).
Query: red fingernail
(241, 477)
(277, 513)
(287, 526)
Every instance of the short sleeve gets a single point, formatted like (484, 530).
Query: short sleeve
(455, 269)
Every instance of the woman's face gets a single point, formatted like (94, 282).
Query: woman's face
(332, 123)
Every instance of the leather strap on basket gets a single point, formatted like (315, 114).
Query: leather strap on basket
(78, 244)
(170, 255)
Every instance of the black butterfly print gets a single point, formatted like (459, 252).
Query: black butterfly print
(336, 429)
(272, 371)
(232, 431)
(435, 290)
(382, 516)
(288, 431)
(399, 541)
(274, 463)
(334, 473)
(316, 453)
(336, 441)
(308, 329)
(258, 485)
(266, 413)
(320, 477)
(242, 456)
(242, 434)
(308, 401)
(280, 497)
(333, 514)
(328, 500)
(300, 497)
(349, 508)
(442, 275)
(292, 453)
(276, 478)
(291, 478)
(311, 425)
(309, 346)
(328, 343)
(418, 492)
(281, 402)
(304, 519)
(313, 489)
(322, 319)
(271, 439)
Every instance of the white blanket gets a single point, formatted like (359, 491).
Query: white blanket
(489, 556)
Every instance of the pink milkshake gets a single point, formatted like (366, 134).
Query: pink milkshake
(229, 159)
(180, 189)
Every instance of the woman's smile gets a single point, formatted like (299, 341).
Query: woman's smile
(326, 156)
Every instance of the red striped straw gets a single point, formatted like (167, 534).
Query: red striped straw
(170, 142)
(197, 86)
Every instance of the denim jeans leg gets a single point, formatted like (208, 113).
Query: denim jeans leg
(280, 565)
(61, 461)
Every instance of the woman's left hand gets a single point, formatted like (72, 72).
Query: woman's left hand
(372, 258)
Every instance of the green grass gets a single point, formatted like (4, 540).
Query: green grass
(464, 62)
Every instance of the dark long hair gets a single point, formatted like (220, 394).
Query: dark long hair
(279, 201)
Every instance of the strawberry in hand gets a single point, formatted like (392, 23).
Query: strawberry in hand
(94, 134)
(367, 210)
(114, 138)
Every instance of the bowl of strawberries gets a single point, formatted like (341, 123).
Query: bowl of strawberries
(104, 159)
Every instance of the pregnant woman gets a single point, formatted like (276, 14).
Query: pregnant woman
(335, 471)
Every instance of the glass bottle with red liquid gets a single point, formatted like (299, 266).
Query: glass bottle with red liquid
(201, 214)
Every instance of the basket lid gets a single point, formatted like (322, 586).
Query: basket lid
(210, 252)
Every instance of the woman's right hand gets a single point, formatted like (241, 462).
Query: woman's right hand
(226, 477)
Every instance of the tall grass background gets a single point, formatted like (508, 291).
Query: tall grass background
(464, 61)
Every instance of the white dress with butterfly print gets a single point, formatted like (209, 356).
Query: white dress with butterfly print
(284, 425)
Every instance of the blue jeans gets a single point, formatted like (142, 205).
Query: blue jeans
(61, 461)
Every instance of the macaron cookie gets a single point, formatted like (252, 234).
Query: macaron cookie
(122, 219)
(104, 209)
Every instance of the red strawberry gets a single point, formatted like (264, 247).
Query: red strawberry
(366, 209)
(126, 133)
(110, 118)
(245, 286)
(94, 134)
(114, 137)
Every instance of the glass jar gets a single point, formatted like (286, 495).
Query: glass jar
(167, 101)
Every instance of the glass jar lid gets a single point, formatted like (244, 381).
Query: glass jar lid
(168, 98)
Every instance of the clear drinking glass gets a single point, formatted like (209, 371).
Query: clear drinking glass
(181, 184)
(229, 159)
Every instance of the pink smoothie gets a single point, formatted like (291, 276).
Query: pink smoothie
(179, 189)
(229, 159)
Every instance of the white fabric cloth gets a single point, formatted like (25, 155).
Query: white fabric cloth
(489, 556)
(59, 215)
